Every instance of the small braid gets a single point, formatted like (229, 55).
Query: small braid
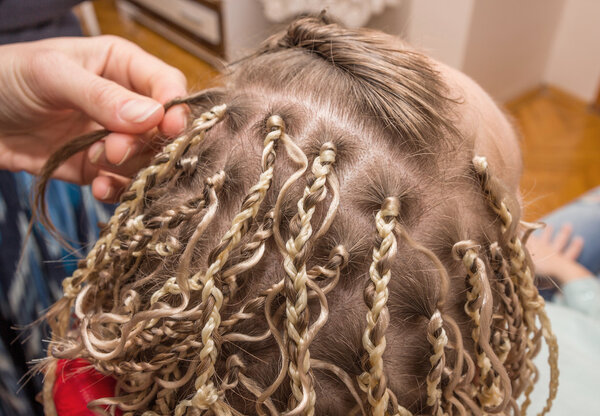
(505, 329)
(533, 303)
(436, 335)
(373, 379)
(478, 307)
(252, 252)
(296, 293)
(515, 363)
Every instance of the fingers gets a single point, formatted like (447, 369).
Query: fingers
(561, 242)
(546, 235)
(130, 66)
(119, 86)
(121, 154)
(574, 249)
(108, 187)
(175, 120)
(112, 80)
(117, 158)
(65, 83)
(562, 237)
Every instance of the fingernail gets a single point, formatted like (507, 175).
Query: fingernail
(138, 111)
(184, 120)
(107, 193)
(124, 158)
(96, 151)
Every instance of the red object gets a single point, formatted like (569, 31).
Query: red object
(78, 383)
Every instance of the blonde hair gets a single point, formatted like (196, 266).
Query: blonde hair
(337, 279)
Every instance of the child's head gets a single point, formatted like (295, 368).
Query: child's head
(327, 237)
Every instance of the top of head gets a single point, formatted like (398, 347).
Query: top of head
(294, 250)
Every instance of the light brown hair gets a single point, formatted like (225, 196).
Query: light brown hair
(321, 240)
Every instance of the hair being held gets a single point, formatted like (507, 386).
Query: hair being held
(321, 240)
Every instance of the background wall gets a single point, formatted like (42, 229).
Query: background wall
(508, 46)
(574, 62)
(440, 28)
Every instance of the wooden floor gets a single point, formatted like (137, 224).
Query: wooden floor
(561, 148)
(561, 134)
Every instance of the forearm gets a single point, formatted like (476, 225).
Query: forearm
(571, 271)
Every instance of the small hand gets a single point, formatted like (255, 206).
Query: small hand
(557, 257)
(57, 89)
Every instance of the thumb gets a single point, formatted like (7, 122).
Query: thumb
(66, 83)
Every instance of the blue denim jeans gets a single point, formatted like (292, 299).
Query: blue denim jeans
(584, 215)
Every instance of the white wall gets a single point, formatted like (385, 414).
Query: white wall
(574, 63)
(245, 27)
(441, 28)
(438, 27)
(509, 44)
(503, 44)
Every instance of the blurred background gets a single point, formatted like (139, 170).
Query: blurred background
(540, 59)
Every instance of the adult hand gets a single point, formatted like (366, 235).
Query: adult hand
(54, 90)
(557, 256)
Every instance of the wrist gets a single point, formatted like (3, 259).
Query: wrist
(570, 272)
